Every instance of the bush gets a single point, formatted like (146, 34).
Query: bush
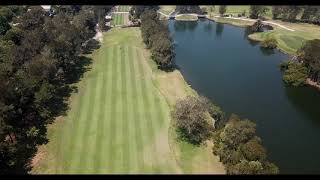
(269, 43)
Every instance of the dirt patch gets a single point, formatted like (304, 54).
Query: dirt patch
(312, 83)
(41, 154)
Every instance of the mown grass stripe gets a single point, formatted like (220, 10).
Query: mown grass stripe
(84, 135)
(132, 150)
(150, 118)
(100, 128)
(104, 153)
(143, 124)
(119, 135)
(113, 114)
(136, 120)
(146, 112)
(74, 153)
(93, 131)
(126, 143)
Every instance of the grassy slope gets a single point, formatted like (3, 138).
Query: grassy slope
(288, 41)
(118, 121)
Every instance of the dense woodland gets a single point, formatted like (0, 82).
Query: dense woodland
(41, 55)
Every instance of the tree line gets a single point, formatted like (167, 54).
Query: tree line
(155, 35)
(291, 13)
(40, 57)
(235, 140)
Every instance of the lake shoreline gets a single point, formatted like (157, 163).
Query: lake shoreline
(308, 81)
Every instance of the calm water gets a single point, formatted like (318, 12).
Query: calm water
(219, 62)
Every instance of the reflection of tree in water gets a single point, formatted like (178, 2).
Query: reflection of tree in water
(191, 25)
(219, 29)
(179, 26)
(266, 51)
(207, 27)
(185, 25)
(306, 99)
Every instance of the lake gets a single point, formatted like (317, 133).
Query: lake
(219, 62)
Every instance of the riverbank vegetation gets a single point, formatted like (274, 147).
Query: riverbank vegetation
(156, 36)
(306, 65)
(240, 149)
(235, 140)
(41, 57)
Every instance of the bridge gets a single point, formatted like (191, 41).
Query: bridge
(175, 14)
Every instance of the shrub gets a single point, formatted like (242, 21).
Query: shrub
(269, 43)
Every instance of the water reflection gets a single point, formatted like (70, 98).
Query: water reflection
(219, 29)
(267, 51)
(181, 26)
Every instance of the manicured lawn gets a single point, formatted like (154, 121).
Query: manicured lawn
(118, 19)
(123, 8)
(118, 121)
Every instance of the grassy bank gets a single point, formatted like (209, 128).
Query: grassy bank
(287, 41)
(119, 119)
(186, 18)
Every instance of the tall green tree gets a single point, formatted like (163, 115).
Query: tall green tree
(222, 10)
(257, 10)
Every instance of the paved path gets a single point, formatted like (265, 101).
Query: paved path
(267, 22)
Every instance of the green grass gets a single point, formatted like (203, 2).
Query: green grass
(118, 121)
(123, 8)
(118, 19)
(187, 18)
(287, 41)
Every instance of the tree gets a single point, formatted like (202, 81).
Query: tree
(6, 13)
(256, 11)
(14, 34)
(246, 167)
(32, 19)
(296, 74)
(309, 54)
(276, 11)
(222, 10)
(182, 9)
(192, 119)
(4, 25)
(253, 150)
(237, 132)
(136, 11)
